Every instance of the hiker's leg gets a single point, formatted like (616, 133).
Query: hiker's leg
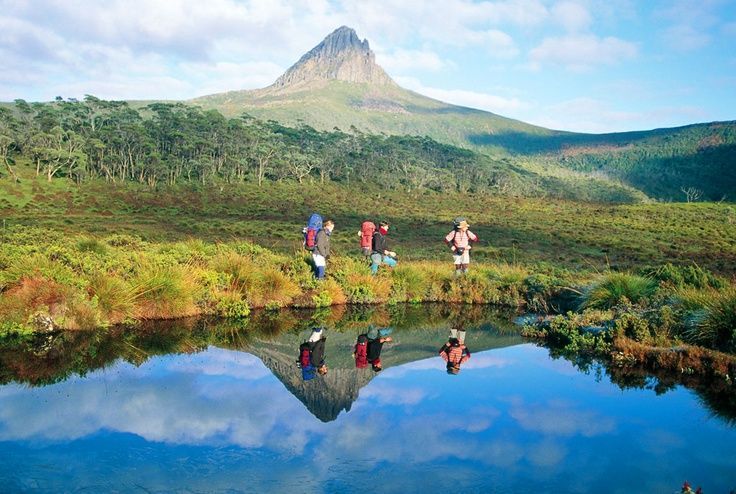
(458, 264)
(453, 333)
(375, 262)
(389, 261)
(319, 265)
(465, 261)
(461, 336)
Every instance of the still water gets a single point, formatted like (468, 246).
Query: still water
(202, 408)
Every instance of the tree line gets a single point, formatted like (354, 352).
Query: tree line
(169, 143)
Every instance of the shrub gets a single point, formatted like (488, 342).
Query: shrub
(715, 324)
(614, 289)
(686, 276)
(164, 292)
(92, 245)
(232, 306)
(115, 297)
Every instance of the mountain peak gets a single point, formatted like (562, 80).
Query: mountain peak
(340, 56)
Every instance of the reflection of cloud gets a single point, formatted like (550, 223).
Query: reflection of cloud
(547, 454)
(385, 394)
(557, 418)
(174, 403)
(219, 362)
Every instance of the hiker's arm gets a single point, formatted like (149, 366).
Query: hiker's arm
(443, 353)
(472, 236)
(466, 356)
(449, 237)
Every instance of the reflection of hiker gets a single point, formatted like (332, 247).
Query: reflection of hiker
(376, 339)
(380, 253)
(360, 352)
(459, 241)
(321, 251)
(312, 355)
(454, 352)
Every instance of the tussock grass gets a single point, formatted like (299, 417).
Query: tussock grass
(614, 289)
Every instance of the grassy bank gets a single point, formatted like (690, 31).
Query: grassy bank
(84, 282)
(574, 235)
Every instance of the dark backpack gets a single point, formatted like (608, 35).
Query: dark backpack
(367, 229)
(361, 351)
(314, 225)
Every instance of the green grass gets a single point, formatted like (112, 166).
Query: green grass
(567, 234)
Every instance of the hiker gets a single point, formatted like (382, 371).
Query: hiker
(375, 345)
(459, 241)
(321, 251)
(312, 355)
(454, 352)
(380, 253)
(365, 234)
(360, 351)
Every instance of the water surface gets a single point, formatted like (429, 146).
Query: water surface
(173, 414)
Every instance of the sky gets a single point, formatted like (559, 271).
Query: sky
(582, 65)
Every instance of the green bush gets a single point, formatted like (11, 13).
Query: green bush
(614, 289)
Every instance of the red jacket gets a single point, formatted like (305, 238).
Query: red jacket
(461, 239)
(455, 355)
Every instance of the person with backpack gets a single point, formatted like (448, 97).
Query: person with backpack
(454, 352)
(459, 240)
(360, 351)
(373, 354)
(365, 234)
(312, 355)
(321, 251)
(380, 254)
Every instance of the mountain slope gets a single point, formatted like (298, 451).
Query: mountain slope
(338, 84)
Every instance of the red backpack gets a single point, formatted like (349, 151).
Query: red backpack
(367, 229)
(361, 352)
(305, 355)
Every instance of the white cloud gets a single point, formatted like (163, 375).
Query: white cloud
(686, 38)
(399, 61)
(572, 15)
(586, 114)
(471, 99)
(581, 52)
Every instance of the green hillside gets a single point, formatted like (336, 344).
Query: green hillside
(385, 109)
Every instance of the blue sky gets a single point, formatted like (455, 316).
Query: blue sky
(584, 65)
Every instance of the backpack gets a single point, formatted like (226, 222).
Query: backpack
(310, 231)
(361, 352)
(366, 234)
(305, 355)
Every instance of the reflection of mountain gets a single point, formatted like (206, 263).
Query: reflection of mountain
(327, 396)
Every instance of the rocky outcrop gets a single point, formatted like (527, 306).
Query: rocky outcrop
(340, 56)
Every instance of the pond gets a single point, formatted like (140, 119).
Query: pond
(199, 406)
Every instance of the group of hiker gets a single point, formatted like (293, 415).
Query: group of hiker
(374, 244)
(367, 351)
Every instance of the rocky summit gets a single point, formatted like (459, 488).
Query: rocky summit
(340, 56)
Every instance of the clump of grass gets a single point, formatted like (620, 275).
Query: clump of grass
(614, 289)
(92, 245)
(115, 297)
(164, 292)
(714, 325)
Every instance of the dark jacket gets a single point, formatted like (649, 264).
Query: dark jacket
(322, 244)
(380, 243)
(374, 349)
(318, 353)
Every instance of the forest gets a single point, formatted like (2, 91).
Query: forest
(170, 143)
